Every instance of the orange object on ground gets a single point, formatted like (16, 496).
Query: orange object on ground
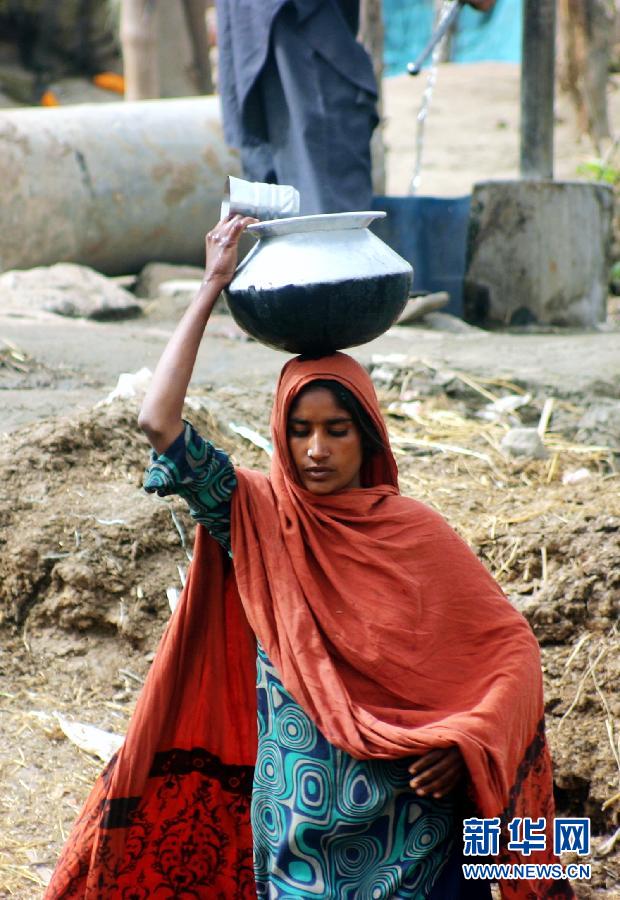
(381, 623)
(49, 98)
(110, 81)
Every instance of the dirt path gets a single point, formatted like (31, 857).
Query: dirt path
(472, 129)
(76, 363)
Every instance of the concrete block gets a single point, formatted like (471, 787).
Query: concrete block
(537, 252)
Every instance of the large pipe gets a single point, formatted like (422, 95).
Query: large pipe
(112, 185)
(537, 88)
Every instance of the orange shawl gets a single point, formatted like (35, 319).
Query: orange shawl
(384, 627)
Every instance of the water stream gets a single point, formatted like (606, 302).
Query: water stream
(431, 79)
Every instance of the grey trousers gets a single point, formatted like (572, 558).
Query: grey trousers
(315, 125)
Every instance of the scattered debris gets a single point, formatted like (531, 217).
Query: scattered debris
(185, 288)
(173, 594)
(504, 407)
(417, 307)
(600, 424)
(11, 357)
(156, 274)
(253, 436)
(524, 442)
(411, 409)
(130, 384)
(442, 321)
(90, 739)
(575, 476)
(545, 417)
(608, 845)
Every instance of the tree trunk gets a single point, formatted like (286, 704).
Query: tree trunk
(371, 33)
(587, 32)
(196, 18)
(139, 34)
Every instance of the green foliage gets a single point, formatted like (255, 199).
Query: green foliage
(599, 170)
(614, 273)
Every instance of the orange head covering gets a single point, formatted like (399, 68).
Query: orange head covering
(381, 622)
(380, 468)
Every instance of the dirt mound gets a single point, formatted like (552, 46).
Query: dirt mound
(86, 560)
(86, 548)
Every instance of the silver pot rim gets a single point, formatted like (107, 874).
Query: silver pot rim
(323, 222)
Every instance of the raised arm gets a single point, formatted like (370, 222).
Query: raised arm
(161, 414)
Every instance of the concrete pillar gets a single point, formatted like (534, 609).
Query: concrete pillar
(112, 186)
(538, 252)
(537, 88)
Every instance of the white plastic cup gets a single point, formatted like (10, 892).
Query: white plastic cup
(261, 201)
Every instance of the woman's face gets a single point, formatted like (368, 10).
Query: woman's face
(324, 442)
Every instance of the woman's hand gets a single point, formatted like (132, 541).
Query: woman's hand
(437, 772)
(222, 244)
(482, 5)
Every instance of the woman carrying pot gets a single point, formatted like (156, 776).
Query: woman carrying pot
(340, 680)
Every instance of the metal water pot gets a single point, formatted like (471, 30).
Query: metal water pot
(316, 284)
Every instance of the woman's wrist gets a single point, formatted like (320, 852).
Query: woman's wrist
(210, 289)
(214, 282)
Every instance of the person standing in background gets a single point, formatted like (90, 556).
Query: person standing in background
(298, 96)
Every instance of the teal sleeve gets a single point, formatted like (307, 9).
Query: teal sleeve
(200, 473)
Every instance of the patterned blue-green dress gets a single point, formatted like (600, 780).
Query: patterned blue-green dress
(325, 825)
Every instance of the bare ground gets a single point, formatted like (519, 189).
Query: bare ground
(86, 560)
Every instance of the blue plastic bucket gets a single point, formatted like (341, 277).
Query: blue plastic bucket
(431, 234)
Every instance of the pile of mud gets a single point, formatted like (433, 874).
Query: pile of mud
(87, 559)
(86, 549)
